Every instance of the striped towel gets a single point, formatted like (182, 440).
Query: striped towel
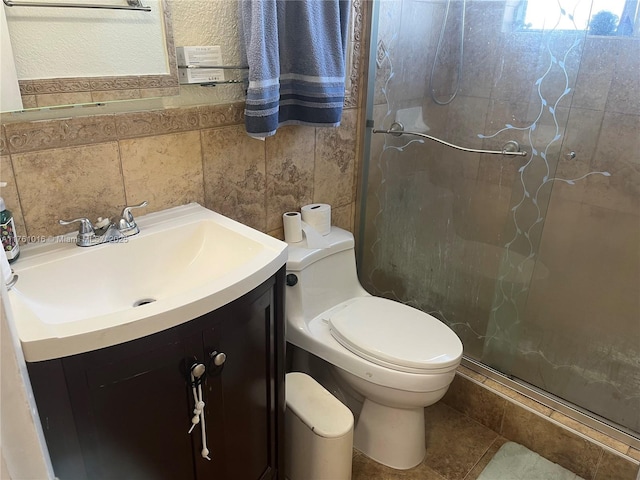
(295, 50)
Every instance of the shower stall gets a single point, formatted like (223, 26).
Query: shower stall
(533, 260)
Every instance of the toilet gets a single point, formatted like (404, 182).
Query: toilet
(398, 358)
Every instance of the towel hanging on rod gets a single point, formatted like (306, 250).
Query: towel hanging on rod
(296, 56)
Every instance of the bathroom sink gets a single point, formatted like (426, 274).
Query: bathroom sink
(185, 262)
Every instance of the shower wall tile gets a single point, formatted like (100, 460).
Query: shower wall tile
(290, 171)
(553, 442)
(517, 67)
(480, 213)
(583, 129)
(544, 138)
(616, 153)
(558, 66)
(502, 113)
(572, 262)
(68, 183)
(592, 89)
(413, 58)
(335, 159)
(436, 117)
(498, 169)
(481, 45)
(234, 175)
(165, 170)
(10, 194)
(625, 85)
(596, 72)
(466, 119)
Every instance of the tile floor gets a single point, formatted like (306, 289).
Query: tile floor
(458, 448)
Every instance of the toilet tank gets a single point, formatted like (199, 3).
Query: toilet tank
(325, 276)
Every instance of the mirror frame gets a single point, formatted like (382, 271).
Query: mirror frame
(59, 92)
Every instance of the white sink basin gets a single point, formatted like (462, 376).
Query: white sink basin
(185, 262)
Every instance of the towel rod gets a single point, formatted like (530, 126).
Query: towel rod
(221, 67)
(223, 82)
(509, 148)
(133, 5)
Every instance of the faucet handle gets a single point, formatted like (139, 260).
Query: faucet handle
(126, 211)
(86, 227)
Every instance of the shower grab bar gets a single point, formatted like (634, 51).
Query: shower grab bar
(510, 148)
(133, 5)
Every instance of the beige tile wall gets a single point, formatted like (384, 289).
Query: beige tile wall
(92, 166)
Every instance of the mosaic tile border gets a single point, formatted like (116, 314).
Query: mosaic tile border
(22, 137)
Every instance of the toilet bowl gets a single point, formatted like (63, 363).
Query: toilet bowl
(398, 358)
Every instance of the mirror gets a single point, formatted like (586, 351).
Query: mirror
(68, 56)
(194, 22)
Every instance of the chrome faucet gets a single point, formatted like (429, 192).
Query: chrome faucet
(89, 235)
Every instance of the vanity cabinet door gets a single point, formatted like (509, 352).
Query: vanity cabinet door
(132, 408)
(242, 397)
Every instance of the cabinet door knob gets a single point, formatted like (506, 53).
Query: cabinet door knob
(197, 370)
(218, 358)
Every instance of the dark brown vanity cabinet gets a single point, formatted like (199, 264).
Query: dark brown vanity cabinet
(124, 412)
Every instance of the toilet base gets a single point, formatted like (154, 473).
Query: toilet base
(394, 437)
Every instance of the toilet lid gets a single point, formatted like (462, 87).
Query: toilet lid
(395, 335)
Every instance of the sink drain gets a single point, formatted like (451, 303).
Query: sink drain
(143, 301)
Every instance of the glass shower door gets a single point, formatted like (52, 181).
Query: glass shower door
(530, 260)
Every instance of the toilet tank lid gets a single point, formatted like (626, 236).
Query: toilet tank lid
(301, 256)
(323, 413)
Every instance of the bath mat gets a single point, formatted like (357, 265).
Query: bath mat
(515, 462)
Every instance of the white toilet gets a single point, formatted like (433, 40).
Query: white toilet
(398, 358)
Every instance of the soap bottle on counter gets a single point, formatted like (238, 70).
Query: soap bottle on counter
(8, 232)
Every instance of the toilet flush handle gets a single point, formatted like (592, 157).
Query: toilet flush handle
(291, 280)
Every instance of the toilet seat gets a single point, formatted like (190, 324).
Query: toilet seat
(394, 335)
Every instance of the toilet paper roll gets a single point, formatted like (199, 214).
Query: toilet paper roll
(292, 222)
(318, 216)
